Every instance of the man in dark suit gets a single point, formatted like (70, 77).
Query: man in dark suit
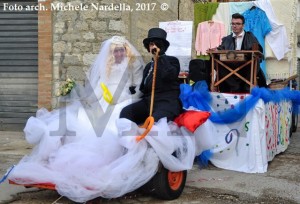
(239, 39)
(166, 97)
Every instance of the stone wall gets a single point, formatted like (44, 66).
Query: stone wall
(77, 35)
(186, 10)
(186, 13)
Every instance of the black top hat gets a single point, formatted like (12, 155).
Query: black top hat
(154, 34)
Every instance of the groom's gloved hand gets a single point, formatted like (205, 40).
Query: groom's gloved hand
(132, 89)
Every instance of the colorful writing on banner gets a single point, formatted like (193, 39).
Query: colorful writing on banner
(278, 121)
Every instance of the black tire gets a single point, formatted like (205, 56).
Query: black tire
(160, 186)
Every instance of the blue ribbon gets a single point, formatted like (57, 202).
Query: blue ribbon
(6, 174)
(200, 98)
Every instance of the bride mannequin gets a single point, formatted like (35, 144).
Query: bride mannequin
(119, 67)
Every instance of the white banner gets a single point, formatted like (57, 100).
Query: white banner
(180, 38)
(246, 145)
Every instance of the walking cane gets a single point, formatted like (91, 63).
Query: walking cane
(150, 120)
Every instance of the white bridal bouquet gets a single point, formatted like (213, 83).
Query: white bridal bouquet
(66, 87)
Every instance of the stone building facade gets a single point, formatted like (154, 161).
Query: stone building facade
(70, 38)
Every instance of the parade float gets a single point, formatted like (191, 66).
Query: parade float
(235, 131)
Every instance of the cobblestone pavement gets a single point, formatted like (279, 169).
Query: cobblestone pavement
(281, 184)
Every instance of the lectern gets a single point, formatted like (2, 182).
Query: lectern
(228, 59)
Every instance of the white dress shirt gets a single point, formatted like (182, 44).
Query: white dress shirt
(238, 40)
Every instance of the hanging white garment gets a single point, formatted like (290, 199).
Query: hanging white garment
(277, 38)
(223, 15)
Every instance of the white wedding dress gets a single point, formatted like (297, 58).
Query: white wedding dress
(86, 151)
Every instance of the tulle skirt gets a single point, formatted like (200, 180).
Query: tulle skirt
(86, 156)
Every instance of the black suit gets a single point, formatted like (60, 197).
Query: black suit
(233, 83)
(228, 42)
(166, 97)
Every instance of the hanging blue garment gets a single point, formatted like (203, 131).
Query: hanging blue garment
(257, 22)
